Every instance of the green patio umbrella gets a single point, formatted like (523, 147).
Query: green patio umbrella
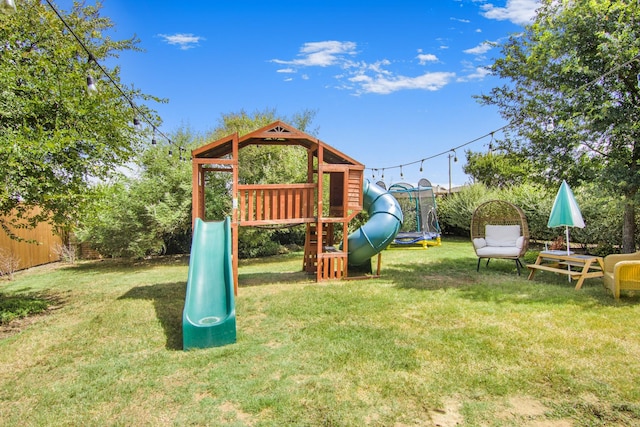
(565, 212)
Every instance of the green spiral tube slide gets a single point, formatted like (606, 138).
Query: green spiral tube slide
(385, 221)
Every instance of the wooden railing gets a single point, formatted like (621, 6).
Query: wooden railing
(276, 204)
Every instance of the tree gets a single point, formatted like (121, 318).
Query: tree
(498, 170)
(56, 139)
(573, 99)
(267, 165)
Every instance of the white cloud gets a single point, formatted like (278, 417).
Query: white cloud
(478, 74)
(362, 77)
(426, 57)
(321, 54)
(376, 67)
(519, 12)
(464, 21)
(384, 85)
(183, 41)
(482, 48)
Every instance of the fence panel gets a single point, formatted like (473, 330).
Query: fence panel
(42, 251)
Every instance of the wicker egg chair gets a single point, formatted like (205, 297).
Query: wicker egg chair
(499, 230)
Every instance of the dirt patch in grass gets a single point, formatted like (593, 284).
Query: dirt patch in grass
(530, 412)
(448, 415)
(524, 410)
(232, 412)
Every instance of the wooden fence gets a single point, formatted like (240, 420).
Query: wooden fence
(42, 251)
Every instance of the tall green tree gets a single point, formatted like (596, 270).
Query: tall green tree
(267, 165)
(148, 210)
(56, 139)
(573, 99)
(498, 170)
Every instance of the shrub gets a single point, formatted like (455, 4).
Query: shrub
(67, 253)
(455, 210)
(9, 263)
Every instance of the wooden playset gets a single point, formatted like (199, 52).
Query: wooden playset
(331, 176)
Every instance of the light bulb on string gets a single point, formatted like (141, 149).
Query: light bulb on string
(421, 162)
(91, 85)
(153, 138)
(491, 143)
(401, 174)
(382, 177)
(455, 156)
(549, 125)
(136, 120)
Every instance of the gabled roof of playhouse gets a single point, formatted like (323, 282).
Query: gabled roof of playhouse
(276, 133)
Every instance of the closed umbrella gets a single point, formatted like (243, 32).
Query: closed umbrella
(565, 212)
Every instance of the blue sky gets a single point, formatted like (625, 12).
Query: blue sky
(392, 81)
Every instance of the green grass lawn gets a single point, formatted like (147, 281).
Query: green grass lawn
(431, 342)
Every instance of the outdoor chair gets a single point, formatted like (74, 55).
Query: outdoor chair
(622, 272)
(499, 230)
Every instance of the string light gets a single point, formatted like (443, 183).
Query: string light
(8, 6)
(91, 84)
(549, 124)
(491, 143)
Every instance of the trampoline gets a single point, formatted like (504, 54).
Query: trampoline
(418, 205)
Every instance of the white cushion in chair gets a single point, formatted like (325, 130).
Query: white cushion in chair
(479, 243)
(502, 236)
(498, 252)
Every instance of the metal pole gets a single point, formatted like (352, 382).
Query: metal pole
(449, 155)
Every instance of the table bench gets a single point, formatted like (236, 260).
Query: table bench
(578, 267)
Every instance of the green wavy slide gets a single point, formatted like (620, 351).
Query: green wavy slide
(209, 316)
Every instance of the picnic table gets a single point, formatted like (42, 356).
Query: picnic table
(575, 266)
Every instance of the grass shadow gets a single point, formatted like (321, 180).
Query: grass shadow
(168, 301)
(110, 265)
(246, 280)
